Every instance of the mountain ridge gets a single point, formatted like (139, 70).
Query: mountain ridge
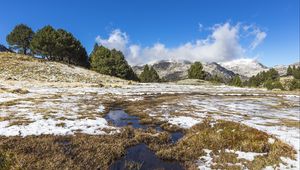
(173, 70)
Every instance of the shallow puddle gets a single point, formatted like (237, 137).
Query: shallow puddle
(141, 157)
(175, 136)
(120, 118)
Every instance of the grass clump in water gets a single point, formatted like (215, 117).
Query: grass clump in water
(224, 135)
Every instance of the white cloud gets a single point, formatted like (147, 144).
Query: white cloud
(221, 45)
(259, 37)
(116, 39)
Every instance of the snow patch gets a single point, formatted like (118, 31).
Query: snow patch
(205, 161)
(183, 121)
(101, 109)
(245, 155)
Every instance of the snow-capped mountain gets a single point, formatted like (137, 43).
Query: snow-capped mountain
(172, 70)
(168, 69)
(245, 67)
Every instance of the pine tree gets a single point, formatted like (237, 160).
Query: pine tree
(272, 74)
(20, 38)
(296, 72)
(59, 45)
(148, 75)
(196, 72)
(236, 81)
(111, 62)
(145, 75)
(154, 75)
(44, 42)
(289, 71)
(69, 49)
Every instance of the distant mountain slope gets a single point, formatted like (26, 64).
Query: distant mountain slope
(21, 67)
(282, 69)
(245, 67)
(217, 69)
(178, 70)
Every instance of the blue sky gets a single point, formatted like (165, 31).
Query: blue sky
(158, 29)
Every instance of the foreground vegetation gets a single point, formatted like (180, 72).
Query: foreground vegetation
(221, 136)
(88, 151)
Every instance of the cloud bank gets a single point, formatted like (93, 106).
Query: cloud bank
(223, 44)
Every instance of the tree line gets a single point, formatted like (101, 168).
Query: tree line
(49, 43)
(269, 79)
(196, 72)
(60, 45)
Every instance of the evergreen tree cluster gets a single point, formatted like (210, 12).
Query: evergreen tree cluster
(149, 74)
(294, 71)
(60, 45)
(273, 84)
(111, 62)
(19, 39)
(294, 84)
(268, 79)
(196, 71)
(49, 43)
(214, 79)
(236, 81)
(262, 77)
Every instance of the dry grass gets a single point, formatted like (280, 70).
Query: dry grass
(26, 68)
(61, 152)
(72, 152)
(284, 122)
(290, 123)
(20, 91)
(227, 135)
(61, 124)
(170, 127)
(91, 152)
(20, 122)
(138, 108)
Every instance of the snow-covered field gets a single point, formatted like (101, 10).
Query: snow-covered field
(65, 110)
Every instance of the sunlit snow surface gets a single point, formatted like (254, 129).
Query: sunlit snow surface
(48, 109)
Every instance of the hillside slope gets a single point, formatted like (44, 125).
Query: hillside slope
(25, 68)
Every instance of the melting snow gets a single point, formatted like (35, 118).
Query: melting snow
(77, 109)
(245, 155)
(183, 121)
(205, 161)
